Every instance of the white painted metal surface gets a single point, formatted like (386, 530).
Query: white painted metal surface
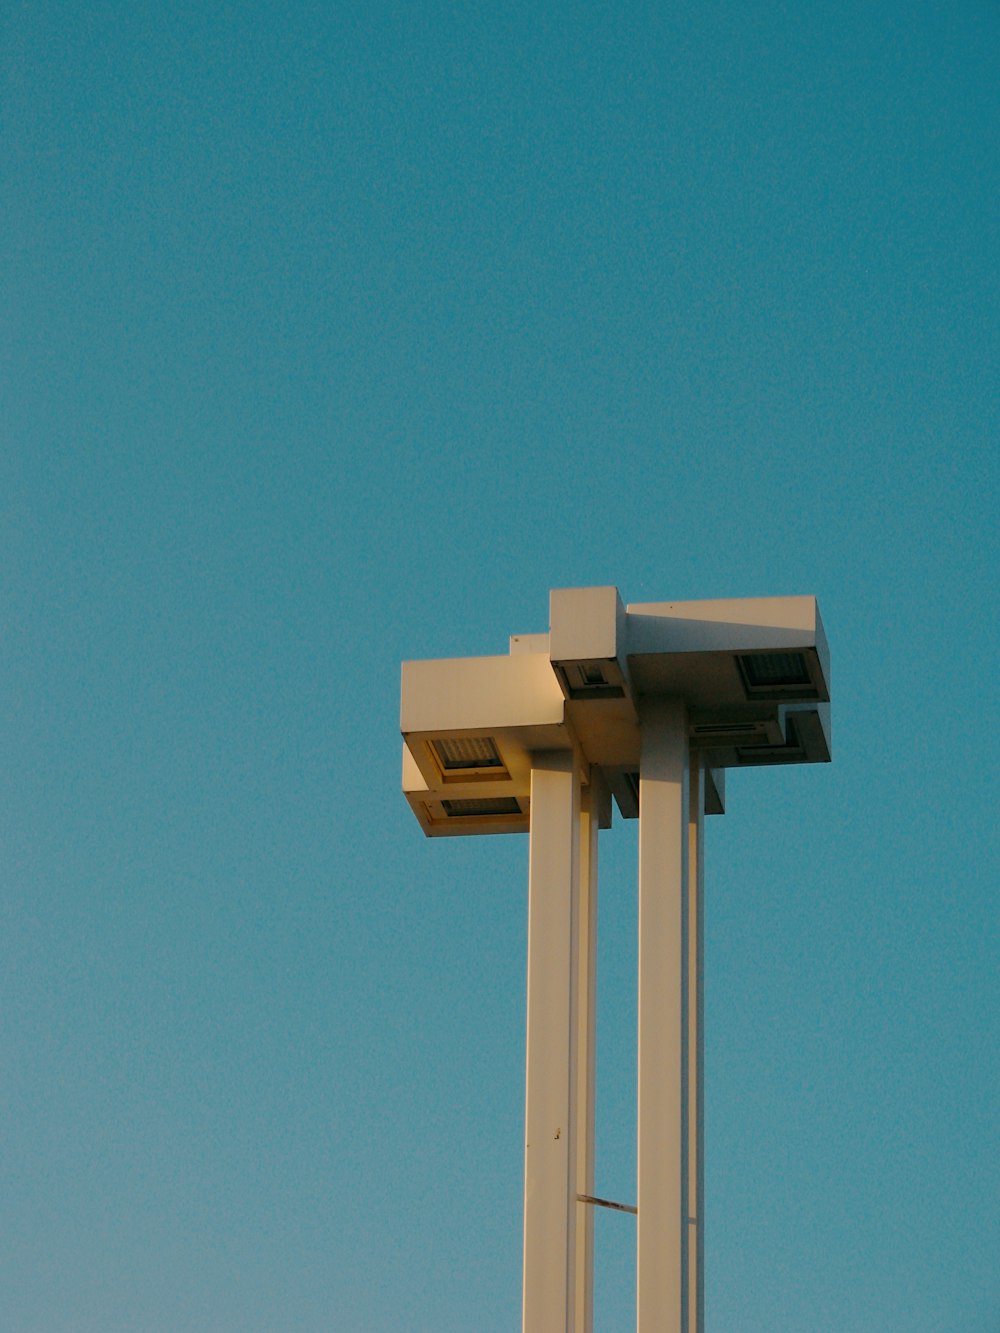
(695, 1062)
(661, 1248)
(550, 1160)
(652, 703)
(585, 1058)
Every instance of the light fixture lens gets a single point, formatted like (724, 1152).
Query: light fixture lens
(591, 680)
(591, 675)
(770, 670)
(467, 752)
(490, 805)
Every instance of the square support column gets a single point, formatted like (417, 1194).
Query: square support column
(664, 811)
(550, 1160)
(585, 1057)
(696, 1049)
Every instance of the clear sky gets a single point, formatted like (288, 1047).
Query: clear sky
(337, 334)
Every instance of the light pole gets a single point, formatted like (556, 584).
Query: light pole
(649, 704)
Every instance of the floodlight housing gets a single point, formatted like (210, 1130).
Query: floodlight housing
(731, 651)
(470, 726)
(586, 642)
(754, 674)
(471, 808)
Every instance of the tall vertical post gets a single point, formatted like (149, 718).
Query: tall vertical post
(662, 1241)
(585, 1056)
(550, 1162)
(696, 1049)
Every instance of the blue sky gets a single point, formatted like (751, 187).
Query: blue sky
(338, 334)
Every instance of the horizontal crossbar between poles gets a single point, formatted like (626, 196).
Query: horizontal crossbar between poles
(608, 1203)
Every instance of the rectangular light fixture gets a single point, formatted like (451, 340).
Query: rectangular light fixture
(807, 741)
(466, 754)
(592, 680)
(591, 674)
(776, 675)
(480, 807)
(775, 669)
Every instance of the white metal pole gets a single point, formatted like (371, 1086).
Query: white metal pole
(661, 1284)
(585, 1056)
(696, 1049)
(550, 1165)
